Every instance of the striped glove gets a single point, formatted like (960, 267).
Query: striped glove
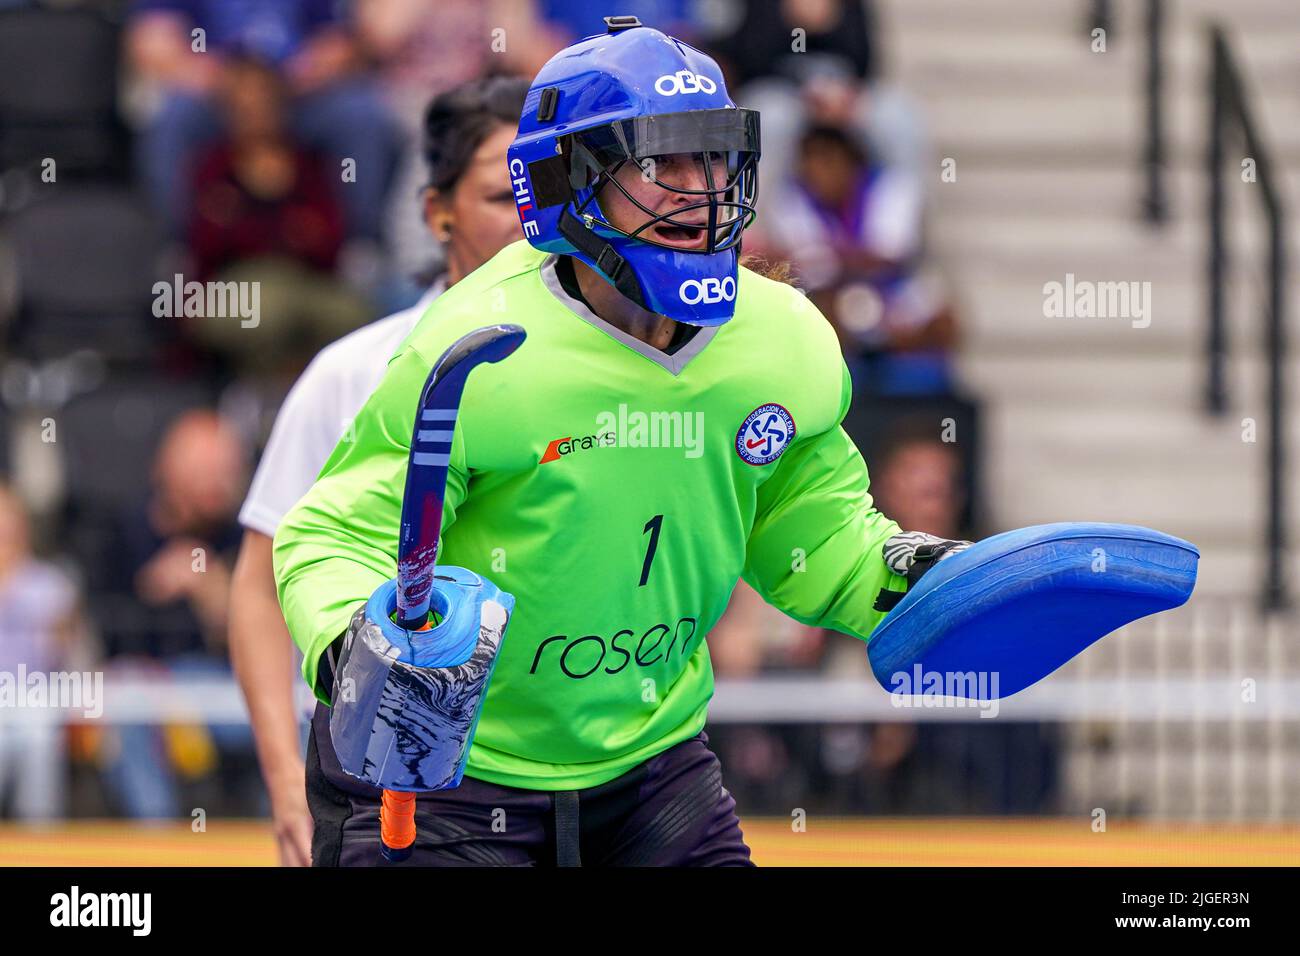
(911, 554)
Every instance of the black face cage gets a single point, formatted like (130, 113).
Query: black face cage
(596, 155)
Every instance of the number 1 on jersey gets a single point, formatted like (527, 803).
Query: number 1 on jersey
(652, 526)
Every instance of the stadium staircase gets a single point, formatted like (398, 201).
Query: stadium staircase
(1096, 419)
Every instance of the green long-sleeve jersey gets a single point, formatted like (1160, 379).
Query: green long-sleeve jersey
(618, 492)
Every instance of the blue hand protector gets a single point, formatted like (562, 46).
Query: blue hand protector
(1018, 605)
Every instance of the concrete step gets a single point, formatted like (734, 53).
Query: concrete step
(999, 316)
(990, 17)
(986, 189)
(1235, 542)
(1056, 61)
(1071, 431)
(1120, 463)
(1105, 240)
(1002, 317)
(1024, 44)
(1051, 125)
(1207, 512)
(1240, 569)
(987, 248)
(1174, 381)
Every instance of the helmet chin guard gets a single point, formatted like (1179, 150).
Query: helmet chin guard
(636, 96)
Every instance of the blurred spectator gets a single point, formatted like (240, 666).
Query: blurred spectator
(183, 47)
(264, 212)
(571, 20)
(174, 552)
(164, 613)
(423, 48)
(39, 628)
(426, 47)
(816, 61)
(918, 479)
(836, 40)
(258, 192)
(853, 230)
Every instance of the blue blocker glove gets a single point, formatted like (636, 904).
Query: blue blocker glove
(1020, 604)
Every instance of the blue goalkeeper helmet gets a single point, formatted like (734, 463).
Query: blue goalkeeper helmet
(635, 95)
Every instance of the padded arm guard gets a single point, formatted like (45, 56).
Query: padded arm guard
(406, 703)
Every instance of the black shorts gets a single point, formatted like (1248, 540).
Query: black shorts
(671, 810)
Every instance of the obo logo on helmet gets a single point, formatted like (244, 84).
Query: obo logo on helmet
(684, 81)
(709, 289)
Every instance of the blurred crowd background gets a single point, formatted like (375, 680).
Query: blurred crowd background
(291, 150)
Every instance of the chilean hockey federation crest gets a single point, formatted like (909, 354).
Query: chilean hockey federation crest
(765, 434)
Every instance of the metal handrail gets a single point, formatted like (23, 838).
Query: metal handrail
(1231, 114)
(1155, 201)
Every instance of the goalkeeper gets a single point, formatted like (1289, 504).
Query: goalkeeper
(670, 424)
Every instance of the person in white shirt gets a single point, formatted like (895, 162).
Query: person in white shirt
(469, 208)
(41, 632)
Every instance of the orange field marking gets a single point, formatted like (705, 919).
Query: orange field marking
(830, 841)
(116, 843)
(1038, 842)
